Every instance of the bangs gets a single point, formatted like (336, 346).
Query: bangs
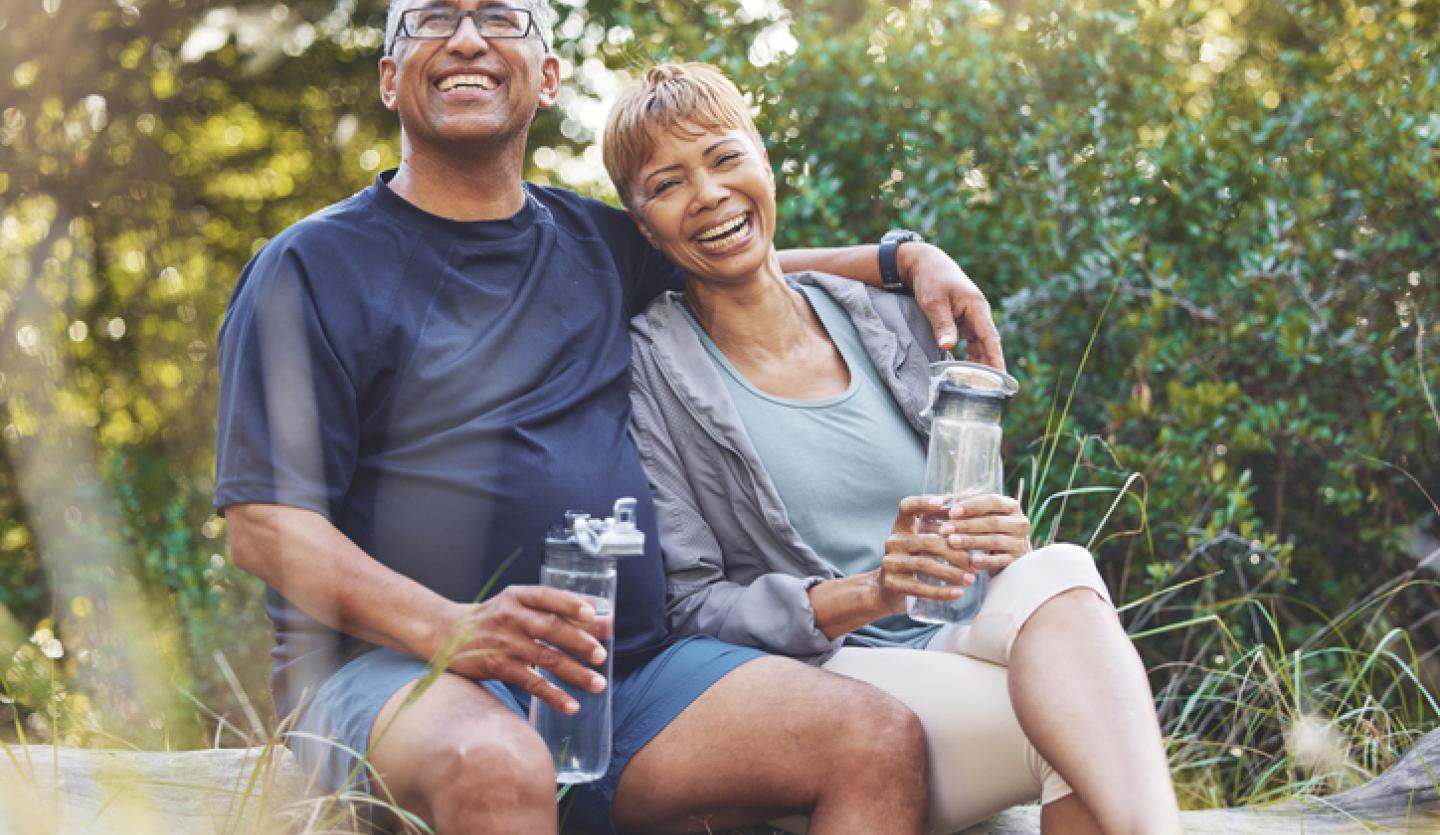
(685, 100)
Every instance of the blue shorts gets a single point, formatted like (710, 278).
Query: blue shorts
(333, 729)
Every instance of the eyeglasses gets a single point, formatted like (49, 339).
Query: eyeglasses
(442, 22)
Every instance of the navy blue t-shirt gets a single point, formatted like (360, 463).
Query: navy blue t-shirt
(442, 392)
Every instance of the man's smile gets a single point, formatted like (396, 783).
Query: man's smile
(467, 81)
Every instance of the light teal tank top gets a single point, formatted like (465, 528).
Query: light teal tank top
(841, 464)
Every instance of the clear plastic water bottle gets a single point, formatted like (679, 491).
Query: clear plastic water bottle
(963, 460)
(581, 558)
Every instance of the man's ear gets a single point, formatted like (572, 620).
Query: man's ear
(549, 80)
(388, 69)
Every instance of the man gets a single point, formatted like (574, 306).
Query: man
(419, 380)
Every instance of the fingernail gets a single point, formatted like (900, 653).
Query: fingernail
(597, 684)
(598, 656)
(572, 706)
(587, 612)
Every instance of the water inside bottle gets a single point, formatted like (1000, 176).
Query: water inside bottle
(580, 742)
(963, 608)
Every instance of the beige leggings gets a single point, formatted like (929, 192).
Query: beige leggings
(980, 760)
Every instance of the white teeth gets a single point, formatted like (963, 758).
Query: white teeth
(484, 82)
(715, 236)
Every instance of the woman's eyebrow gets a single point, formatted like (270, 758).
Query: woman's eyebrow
(652, 174)
(717, 143)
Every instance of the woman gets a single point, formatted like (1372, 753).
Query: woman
(779, 420)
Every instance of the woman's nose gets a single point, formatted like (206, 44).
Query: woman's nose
(709, 191)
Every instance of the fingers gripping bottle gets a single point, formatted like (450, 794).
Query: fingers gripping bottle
(963, 460)
(582, 558)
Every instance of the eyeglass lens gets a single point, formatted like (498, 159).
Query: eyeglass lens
(493, 22)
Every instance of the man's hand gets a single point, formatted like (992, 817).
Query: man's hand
(950, 299)
(524, 629)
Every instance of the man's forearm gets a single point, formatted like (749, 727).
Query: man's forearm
(317, 568)
(860, 263)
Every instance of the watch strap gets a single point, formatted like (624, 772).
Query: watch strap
(889, 262)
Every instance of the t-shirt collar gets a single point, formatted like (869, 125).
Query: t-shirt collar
(469, 230)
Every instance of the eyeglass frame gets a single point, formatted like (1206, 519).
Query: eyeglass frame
(402, 29)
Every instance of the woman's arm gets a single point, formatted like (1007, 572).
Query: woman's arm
(772, 612)
(848, 603)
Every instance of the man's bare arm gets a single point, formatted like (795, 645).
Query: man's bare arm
(949, 299)
(317, 568)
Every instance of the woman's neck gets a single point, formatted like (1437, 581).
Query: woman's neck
(760, 318)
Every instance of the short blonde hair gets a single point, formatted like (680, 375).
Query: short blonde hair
(669, 98)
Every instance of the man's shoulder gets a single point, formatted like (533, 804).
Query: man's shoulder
(340, 226)
(346, 244)
(581, 215)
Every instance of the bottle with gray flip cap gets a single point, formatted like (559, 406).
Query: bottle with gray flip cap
(968, 400)
(582, 558)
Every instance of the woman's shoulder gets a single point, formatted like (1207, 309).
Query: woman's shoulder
(894, 312)
(665, 311)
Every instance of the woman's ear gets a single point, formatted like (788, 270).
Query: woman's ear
(765, 158)
(644, 229)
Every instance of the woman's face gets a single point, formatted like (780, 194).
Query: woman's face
(706, 198)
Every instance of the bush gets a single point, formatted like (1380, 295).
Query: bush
(1237, 201)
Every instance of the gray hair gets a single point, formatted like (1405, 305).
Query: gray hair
(539, 10)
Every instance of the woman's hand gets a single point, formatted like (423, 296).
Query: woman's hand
(978, 533)
(911, 550)
(993, 528)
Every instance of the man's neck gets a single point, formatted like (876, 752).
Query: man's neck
(471, 183)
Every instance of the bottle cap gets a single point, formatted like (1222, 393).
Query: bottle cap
(958, 379)
(616, 536)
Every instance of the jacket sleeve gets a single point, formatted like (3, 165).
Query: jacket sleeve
(772, 612)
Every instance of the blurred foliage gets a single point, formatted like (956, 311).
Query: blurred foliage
(1226, 210)
(1239, 201)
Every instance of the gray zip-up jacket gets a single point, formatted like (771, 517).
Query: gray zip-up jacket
(735, 567)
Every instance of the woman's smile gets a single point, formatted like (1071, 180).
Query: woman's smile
(726, 234)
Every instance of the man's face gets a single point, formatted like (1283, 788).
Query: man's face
(467, 89)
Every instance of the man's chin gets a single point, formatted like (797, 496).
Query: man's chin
(473, 132)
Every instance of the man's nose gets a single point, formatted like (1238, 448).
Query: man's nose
(467, 38)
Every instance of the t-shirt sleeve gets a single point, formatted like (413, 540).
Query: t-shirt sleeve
(288, 422)
(644, 271)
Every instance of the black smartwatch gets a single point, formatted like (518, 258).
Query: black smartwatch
(889, 271)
